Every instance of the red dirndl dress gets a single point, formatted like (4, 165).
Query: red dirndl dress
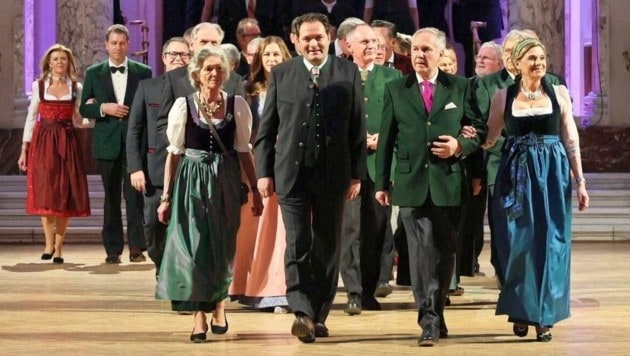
(56, 183)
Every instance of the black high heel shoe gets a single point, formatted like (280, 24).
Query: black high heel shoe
(520, 330)
(217, 329)
(47, 256)
(200, 337)
(543, 334)
(58, 260)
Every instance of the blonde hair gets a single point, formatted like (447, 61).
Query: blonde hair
(45, 63)
(523, 46)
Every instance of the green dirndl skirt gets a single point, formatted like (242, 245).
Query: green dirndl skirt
(195, 272)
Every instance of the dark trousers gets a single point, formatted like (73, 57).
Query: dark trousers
(116, 181)
(431, 239)
(365, 224)
(498, 225)
(403, 277)
(154, 230)
(312, 212)
(471, 235)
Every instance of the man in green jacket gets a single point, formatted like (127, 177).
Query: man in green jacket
(107, 95)
(422, 116)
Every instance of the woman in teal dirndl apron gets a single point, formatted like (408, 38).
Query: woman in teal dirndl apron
(534, 188)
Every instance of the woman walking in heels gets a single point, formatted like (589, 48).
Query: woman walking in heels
(56, 184)
(533, 187)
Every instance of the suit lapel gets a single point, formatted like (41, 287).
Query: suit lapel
(106, 77)
(442, 93)
(132, 83)
(413, 93)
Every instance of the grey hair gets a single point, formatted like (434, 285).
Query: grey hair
(231, 53)
(494, 46)
(197, 62)
(174, 39)
(348, 25)
(440, 36)
(209, 25)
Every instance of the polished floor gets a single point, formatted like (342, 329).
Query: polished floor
(85, 307)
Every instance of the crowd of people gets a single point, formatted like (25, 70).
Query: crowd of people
(262, 170)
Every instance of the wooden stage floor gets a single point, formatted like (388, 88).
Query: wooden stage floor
(85, 307)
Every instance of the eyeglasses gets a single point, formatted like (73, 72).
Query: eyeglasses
(173, 55)
(485, 58)
(367, 42)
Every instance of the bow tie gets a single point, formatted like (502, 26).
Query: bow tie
(119, 69)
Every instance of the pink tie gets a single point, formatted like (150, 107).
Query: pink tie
(427, 95)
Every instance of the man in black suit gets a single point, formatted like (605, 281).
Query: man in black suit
(146, 149)
(107, 94)
(311, 151)
(176, 83)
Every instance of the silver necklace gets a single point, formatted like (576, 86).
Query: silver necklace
(532, 95)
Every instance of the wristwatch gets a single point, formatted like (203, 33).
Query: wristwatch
(165, 198)
(580, 179)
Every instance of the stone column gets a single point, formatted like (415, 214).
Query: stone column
(85, 33)
(546, 18)
(596, 102)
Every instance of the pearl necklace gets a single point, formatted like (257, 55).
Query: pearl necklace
(532, 95)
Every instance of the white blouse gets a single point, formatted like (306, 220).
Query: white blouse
(33, 108)
(177, 117)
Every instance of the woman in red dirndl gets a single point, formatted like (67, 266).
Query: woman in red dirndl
(51, 155)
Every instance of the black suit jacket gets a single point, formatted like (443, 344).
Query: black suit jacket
(176, 84)
(146, 148)
(278, 147)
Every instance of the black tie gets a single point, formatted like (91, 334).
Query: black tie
(119, 69)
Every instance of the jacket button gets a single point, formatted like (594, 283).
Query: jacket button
(429, 123)
(301, 144)
(297, 163)
(426, 166)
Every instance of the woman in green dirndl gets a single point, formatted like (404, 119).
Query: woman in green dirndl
(208, 135)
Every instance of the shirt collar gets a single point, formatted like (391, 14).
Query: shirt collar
(391, 58)
(432, 80)
(309, 65)
(369, 67)
(123, 64)
(329, 6)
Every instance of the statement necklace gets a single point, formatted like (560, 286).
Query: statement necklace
(532, 95)
(211, 108)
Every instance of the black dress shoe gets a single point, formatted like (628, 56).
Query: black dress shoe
(58, 260)
(520, 330)
(383, 290)
(47, 256)
(321, 330)
(112, 260)
(217, 329)
(200, 337)
(303, 328)
(430, 336)
(354, 305)
(137, 257)
(370, 303)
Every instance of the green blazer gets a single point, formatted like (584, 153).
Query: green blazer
(406, 124)
(109, 134)
(373, 91)
(483, 90)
